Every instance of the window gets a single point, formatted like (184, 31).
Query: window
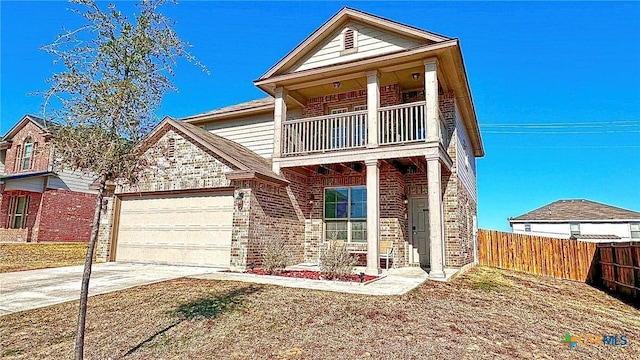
(635, 230)
(575, 229)
(27, 154)
(527, 227)
(18, 209)
(345, 213)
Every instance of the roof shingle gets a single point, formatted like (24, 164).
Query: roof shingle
(569, 210)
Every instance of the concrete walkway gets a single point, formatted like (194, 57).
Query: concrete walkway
(392, 282)
(26, 290)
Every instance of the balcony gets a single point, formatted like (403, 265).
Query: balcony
(398, 124)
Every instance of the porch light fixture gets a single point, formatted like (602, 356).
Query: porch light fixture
(415, 76)
(336, 84)
(405, 199)
(311, 199)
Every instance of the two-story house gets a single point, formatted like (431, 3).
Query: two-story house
(36, 203)
(368, 136)
(580, 219)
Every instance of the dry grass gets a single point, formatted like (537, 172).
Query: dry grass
(18, 257)
(484, 314)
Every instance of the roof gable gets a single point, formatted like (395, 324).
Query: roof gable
(378, 35)
(245, 162)
(577, 210)
(22, 123)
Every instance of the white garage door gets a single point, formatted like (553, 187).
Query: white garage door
(192, 229)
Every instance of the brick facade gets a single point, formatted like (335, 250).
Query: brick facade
(32, 216)
(53, 214)
(318, 106)
(66, 216)
(295, 212)
(265, 211)
(40, 156)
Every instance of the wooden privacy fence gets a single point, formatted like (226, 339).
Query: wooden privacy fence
(559, 258)
(620, 266)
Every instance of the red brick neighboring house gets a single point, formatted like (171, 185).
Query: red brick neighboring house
(38, 204)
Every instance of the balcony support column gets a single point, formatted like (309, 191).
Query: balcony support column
(373, 216)
(436, 223)
(373, 104)
(431, 99)
(279, 117)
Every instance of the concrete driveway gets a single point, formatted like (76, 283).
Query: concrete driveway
(26, 290)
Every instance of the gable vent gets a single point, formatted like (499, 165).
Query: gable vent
(349, 41)
(171, 148)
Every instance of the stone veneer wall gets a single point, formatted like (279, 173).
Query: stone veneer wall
(459, 207)
(103, 245)
(393, 211)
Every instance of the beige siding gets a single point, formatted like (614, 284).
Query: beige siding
(74, 181)
(369, 41)
(254, 132)
(465, 160)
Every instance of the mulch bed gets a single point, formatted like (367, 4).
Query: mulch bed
(312, 275)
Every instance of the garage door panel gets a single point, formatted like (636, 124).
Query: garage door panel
(181, 230)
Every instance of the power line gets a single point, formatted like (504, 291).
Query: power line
(587, 123)
(562, 132)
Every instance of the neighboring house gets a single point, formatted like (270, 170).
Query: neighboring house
(369, 136)
(36, 203)
(580, 219)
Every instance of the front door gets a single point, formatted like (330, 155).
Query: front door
(419, 230)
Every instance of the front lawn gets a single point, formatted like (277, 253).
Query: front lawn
(484, 314)
(17, 257)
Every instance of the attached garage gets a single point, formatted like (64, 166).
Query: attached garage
(177, 229)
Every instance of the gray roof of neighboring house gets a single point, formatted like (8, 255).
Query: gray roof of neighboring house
(577, 210)
(596, 237)
(227, 110)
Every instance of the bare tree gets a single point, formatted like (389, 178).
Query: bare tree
(114, 71)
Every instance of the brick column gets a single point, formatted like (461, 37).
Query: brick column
(279, 117)
(435, 219)
(373, 103)
(373, 216)
(431, 99)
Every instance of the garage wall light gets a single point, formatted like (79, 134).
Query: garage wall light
(240, 201)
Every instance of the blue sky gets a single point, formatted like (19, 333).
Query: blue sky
(556, 86)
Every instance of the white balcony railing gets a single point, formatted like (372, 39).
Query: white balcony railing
(325, 133)
(398, 124)
(402, 123)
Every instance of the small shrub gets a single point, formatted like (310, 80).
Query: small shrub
(275, 257)
(336, 261)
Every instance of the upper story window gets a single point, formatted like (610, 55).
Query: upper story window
(27, 155)
(635, 230)
(575, 229)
